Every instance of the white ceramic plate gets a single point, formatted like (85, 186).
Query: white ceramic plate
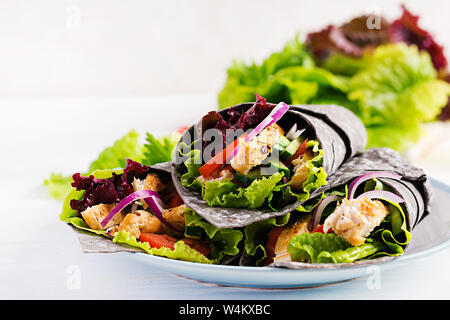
(431, 235)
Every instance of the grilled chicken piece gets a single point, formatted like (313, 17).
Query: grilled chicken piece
(151, 182)
(301, 171)
(253, 153)
(355, 219)
(294, 228)
(175, 216)
(95, 215)
(140, 221)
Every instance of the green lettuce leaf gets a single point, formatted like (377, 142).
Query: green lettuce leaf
(159, 150)
(222, 241)
(115, 156)
(244, 80)
(228, 194)
(328, 248)
(256, 236)
(67, 212)
(58, 185)
(112, 157)
(180, 252)
(396, 92)
(316, 179)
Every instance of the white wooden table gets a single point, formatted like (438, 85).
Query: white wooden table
(40, 257)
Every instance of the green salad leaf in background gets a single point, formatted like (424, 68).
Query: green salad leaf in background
(113, 157)
(393, 79)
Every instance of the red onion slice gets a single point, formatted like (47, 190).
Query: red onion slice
(320, 208)
(155, 205)
(125, 202)
(276, 114)
(375, 174)
(150, 197)
(382, 195)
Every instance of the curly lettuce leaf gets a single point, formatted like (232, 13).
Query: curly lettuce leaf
(73, 194)
(58, 185)
(180, 252)
(159, 150)
(115, 156)
(256, 236)
(112, 157)
(388, 239)
(329, 248)
(228, 194)
(222, 241)
(244, 80)
(317, 178)
(398, 90)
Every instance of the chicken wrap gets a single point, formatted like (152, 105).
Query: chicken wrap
(139, 208)
(255, 161)
(367, 210)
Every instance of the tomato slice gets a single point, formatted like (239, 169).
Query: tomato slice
(182, 129)
(219, 159)
(175, 201)
(301, 150)
(320, 229)
(198, 245)
(271, 243)
(158, 240)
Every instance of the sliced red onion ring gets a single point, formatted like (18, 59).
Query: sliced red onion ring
(150, 197)
(276, 114)
(155, 205)
(383, 195)
(375, 174)
(320, 208)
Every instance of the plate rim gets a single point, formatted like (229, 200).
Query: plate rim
(330, 267)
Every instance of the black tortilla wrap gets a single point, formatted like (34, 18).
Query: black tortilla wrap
(345, 122)
(336, 145)
(165, 167)
(414, 186)
(331, 143)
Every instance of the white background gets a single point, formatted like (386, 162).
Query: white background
(113, 47)
(76, 75)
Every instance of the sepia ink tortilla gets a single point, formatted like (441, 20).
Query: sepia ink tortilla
(414, 186)
(333, 133)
